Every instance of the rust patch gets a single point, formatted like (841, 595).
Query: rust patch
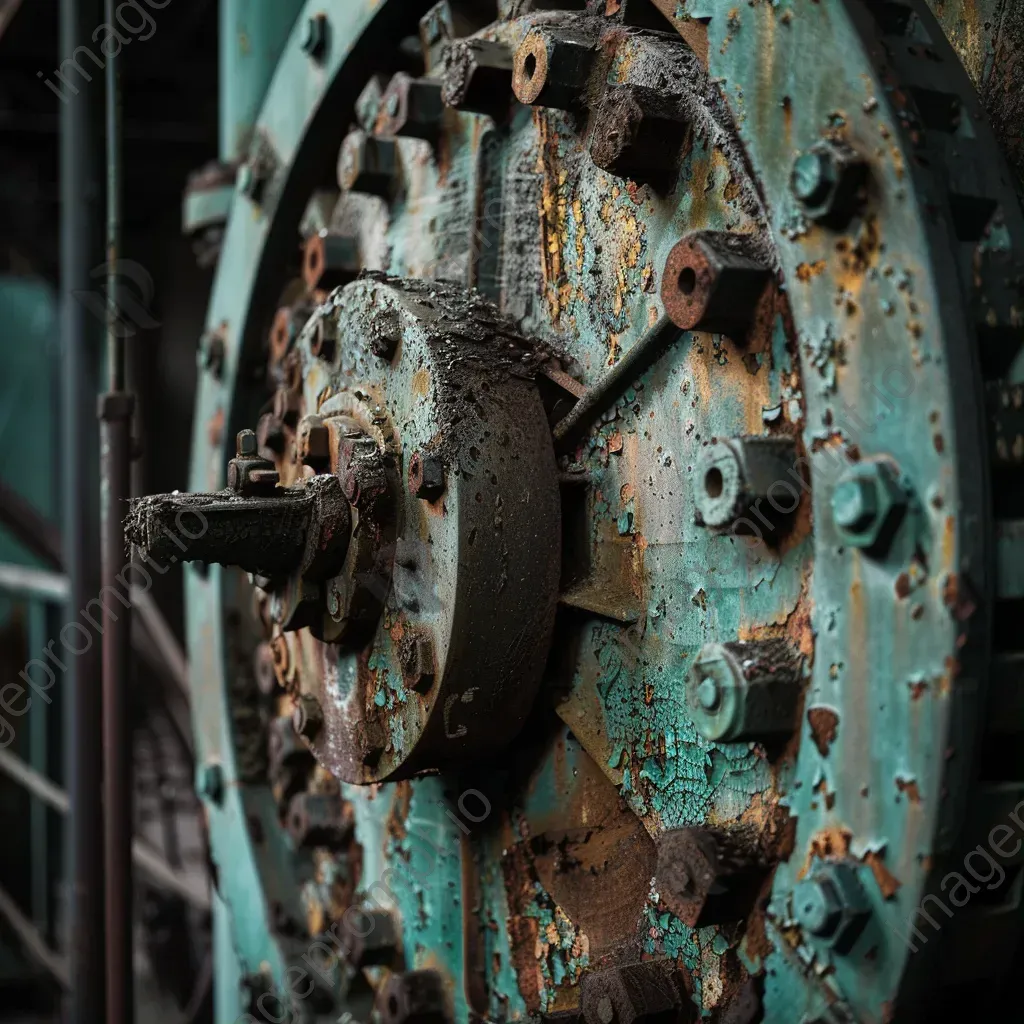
(917, 688)
(902, 585)
(215, 428)
(888, 883)
(808, 271)
(824, 724)
(909, 786)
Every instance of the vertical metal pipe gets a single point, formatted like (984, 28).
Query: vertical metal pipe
(116, 408)
(81, 251)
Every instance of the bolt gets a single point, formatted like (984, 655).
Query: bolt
(412, 109)
(744, 690)
(417, 656)
(868, 505)
(734, 477)
(637, 136)
(324, 342)
(713, 282)
(367, 164)
(552, 70)
(709, 694)
(639, 993)
(314, 36)
(477, 77)
(210, 782)
(263, 669)
(832, 906)
(426, 476)
(829, 183)
(413, 997)
(308, 717)
(246, 446)
(314, 440)
(855, 504)
(213, 353)
(330, 260)
(270, 436)
(817, 907)
(320, 819)
(371, 938)
(287, 404)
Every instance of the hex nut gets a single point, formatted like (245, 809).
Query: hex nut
(308, 717)
(552, 70)
(314, 36)
(319, 819)
(414, 997)
(314, 441)
(744, 691)
(829, 183)
(426, 476)
(832, 906)
(370, 937)
(635, 136)
(477, 77)
(868, 505)
(714, 282)
(733, 476)
(210, 782)
(639, 993)
(368, 165)
(411, 108)
(330, 260)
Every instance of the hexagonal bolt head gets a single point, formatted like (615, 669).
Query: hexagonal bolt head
(634, 137)
(829, 182)
(868, 505)
(314, 441)
(323, 343)
(308, 717)
(330, 260)
(411, 108)
(370, 937)
(246, 445)
(415, 997)
(270, 436)
(709, 876)
(416, 653)
(367, 164)
(426, 476)
(733, 477)
(712, 282)
(314, 36)
(641, 993)
(832, 906)
(552, 70)
(287, 404)
(477, 77)
(744, 691)
(320, 819)
(263, 669)
(210, 782)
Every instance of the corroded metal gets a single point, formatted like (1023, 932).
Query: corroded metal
(755, 748)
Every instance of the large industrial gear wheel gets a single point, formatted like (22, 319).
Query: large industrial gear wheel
(611, 613)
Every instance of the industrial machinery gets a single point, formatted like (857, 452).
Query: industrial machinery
(605, 526)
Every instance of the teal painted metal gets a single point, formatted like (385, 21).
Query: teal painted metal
(253, 34)
(874, 346)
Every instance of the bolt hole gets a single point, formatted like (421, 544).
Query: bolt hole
(687, 280)
(530, 66)
(713, 483)
(393, 1005)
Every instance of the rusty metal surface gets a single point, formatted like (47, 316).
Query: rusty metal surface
(764, 360)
